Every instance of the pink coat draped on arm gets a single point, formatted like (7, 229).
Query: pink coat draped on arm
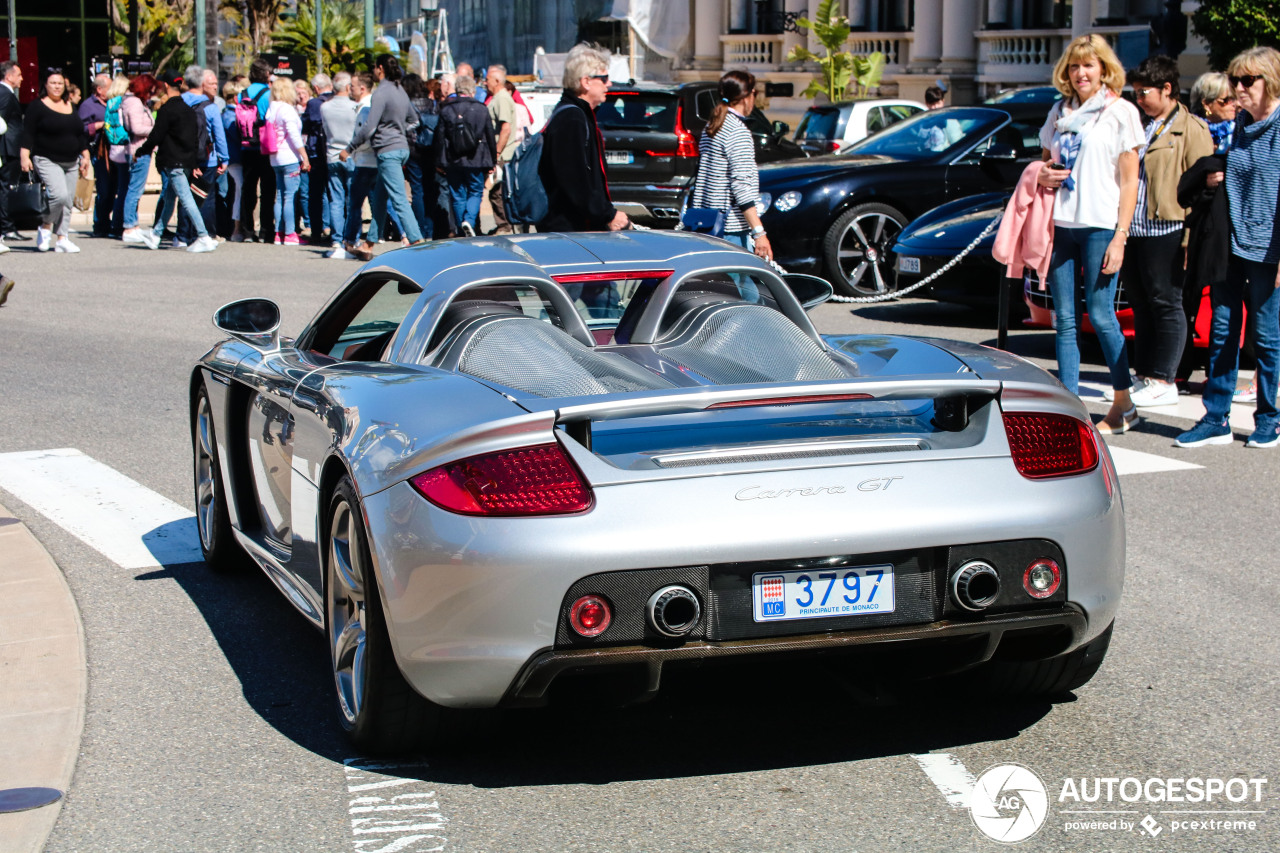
(1025, 238)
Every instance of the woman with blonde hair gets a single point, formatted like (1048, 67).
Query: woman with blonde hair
(289, 157)
(117, 138)
(1252, 179)
(1090, 143)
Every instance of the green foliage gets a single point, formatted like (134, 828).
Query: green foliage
(839, 68)
(1230, 26)
(341, 32)
(165, 29)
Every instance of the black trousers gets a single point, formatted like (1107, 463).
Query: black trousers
(317, 206)
(103, 198)
(258, 171)
(9, 170)
(1153, 278)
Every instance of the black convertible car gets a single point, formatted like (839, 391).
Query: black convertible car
(839, 215)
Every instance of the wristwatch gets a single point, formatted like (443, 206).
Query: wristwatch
(757, 231)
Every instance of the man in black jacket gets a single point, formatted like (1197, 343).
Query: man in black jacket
(466, 151)
(11, 112)
(175, 133)
(572, 165)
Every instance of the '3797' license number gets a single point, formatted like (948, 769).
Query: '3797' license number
(817, 594)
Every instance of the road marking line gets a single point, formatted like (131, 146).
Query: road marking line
(119, 517)
(1129, 461)
(949, 776)
(416, 812)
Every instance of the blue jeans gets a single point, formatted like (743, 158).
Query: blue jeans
(287, 180)
(418, 196)
(304, 199)
(336, 197)
(1074, 248)
(138, 168)
(391, 174)
(177, 192)
(466, 189)
(1249, 285)
(361, 182)
(740, 238)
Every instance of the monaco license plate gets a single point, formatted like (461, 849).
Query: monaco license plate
(818, 594)
(908, 264)
(619, 158)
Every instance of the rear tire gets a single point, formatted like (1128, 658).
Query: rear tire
(856, 249)
(381, 713)
(222, 552)
(1050, 677)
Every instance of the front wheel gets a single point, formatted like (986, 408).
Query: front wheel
(380, 711)
(858, 249)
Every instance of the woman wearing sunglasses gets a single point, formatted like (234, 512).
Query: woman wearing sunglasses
(1252, 179)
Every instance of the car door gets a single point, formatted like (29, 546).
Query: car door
(993, 165)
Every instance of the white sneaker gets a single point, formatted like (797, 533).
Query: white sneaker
(3, 248)
(1155, 393)
(134, 236)
(467, 230)
(339, 254)
(203, 244)
(179, 243)
(151, 239)
(66, 246)
(44, 239)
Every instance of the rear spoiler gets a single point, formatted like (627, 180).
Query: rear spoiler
(954, 395)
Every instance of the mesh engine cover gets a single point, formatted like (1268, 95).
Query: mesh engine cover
(740, 344)
(537, 358)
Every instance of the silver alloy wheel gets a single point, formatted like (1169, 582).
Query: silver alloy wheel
(864, 254)
(206, 472)
(348, 640)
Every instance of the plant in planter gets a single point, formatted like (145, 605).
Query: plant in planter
(839, 68)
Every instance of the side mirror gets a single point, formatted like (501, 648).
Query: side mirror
(1000, 151)
(810, 290)
(781, 128)
(254, 321)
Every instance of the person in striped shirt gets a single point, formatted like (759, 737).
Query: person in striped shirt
(728, 180)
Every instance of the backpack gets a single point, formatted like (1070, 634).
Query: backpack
(428, 120)
(116, 134)
(269, 137)
(522, 192)
(247, 120)
(204, 141)
(460, 139)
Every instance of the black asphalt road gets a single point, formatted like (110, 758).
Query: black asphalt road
(210, 724)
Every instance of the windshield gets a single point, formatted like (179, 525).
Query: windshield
(655, 111)
(818, 124)
(1035, 95)
(926, 134)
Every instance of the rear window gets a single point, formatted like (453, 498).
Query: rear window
(818, 124)
(652, 111)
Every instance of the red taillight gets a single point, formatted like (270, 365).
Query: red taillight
(686, 145)
(1042, 578)
(530, 481)
(590, 615)
(1046, 445)
(835, 145)
(619, 275)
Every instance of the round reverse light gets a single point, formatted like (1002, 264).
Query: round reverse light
(590, 615)
(1042, 578)
(787, 201)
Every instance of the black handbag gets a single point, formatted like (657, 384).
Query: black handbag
(26, 197)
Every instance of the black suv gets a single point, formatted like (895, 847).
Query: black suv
(651, 135)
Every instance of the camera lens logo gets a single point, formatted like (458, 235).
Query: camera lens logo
(1009, 803)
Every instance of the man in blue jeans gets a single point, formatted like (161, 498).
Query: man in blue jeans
(467, 151)
(175, 134)
(338, 121)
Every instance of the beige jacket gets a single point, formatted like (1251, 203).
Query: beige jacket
(1185, 142)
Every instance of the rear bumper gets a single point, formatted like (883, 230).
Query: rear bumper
(532, 685)
(649, 204)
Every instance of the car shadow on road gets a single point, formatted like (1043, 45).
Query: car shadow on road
(764, 715)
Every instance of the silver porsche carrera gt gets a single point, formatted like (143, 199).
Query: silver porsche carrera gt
(490, 466)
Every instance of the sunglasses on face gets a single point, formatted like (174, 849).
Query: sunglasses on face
(1222, 102)
(1245, 80)
(603, 78)
(1142, 93)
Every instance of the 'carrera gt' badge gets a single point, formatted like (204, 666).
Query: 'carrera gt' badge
(757, 493)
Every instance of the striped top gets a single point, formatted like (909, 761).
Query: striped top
(727, 177)
(1143, 227)
(1253, 184)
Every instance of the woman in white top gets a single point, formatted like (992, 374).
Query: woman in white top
(289, 160)
(1090, 142)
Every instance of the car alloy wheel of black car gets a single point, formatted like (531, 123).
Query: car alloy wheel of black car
(860, 246)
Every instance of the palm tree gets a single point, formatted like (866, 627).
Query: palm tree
(342, 36)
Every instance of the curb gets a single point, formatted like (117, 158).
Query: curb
(43, 681)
